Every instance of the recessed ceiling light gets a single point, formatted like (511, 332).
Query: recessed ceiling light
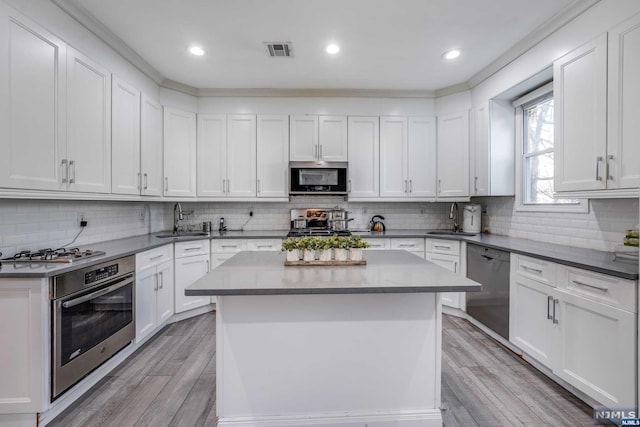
(333, 49)
(196, 50)
(451, 54)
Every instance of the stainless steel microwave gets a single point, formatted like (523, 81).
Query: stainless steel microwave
(318, 178)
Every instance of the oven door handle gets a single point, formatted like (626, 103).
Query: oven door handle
(101, 292)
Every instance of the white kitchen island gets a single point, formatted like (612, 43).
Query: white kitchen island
(329, 346)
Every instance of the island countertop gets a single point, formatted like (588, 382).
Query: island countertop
(386, 271)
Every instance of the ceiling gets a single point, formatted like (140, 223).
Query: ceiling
(388, 45)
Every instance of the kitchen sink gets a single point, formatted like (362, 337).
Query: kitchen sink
(185, 234)
(450, 233)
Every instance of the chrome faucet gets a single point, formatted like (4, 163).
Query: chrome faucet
(177, 216)
(453, 214)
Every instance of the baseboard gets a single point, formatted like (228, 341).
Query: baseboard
(191, 313)
(18, 420)
(425, 418)
(453, 311)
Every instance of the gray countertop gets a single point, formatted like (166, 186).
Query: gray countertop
(588, 259)
(386, 271)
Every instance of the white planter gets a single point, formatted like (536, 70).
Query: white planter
(341, 254)
(355, 254)
(309, 255)
(325, 254)
(293, 255)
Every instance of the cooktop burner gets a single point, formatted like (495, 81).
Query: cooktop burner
(60, 255)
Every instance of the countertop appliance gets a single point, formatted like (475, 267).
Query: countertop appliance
(318, 178)
(472, 218)
(490, 306)
(92, 318)
(60, 255)
(376, 225)
(316, 222)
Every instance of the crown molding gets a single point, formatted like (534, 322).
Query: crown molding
(560, 19)
(317, 93)
(180, 87)
(450, 90)
(82, 15)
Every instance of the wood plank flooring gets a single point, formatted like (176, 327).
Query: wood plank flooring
(171, 382)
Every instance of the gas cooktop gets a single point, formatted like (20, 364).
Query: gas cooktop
(60, 255)
(299, 232)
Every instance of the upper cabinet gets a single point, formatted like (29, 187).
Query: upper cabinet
(272, 156)
(479, 154)
(241, 155)
(32, 105)
(407, 157)
(151, 147)
(125, 138)
(453, 155)
(318, 138)
(88, 124)
(179, 153)
(595, 93)
(364, 155)
(212, 155)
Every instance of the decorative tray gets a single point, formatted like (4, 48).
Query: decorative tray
(333, 262)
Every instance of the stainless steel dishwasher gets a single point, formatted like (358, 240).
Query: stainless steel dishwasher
(490, 306)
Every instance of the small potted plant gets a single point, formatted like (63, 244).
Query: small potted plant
(290, 245)
(341, 248)
(309, 245)
(325, 249)
(356, 245)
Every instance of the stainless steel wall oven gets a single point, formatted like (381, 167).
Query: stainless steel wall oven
(93, 317)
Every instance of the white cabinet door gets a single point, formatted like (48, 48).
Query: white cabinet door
(89, 124)
(393, 157)
(164, 294)
(531, 324)
(453, 155)
(179, 153)
(580, 117)
(32, 105)
(125, 138)
(187, 271)
(364, 157)
(332, 138)
(151, 146)
(212, 155)
(605, 371)
(623, 148)
(479, 155)
(451, 263)
(241, 155)
(303, 144)
(421, 157)
(146, 288)
(272, 148)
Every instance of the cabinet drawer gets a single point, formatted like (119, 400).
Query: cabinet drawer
(613, 291)
(377, 244)
(534, 268)
(196, 247)
(450, 262)
(154, 257)
(449, 247)
(411, 245)
(228, 245)
(264, 244)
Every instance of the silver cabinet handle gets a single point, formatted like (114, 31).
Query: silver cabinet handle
(320, 152)
(161, 279)
(139, 182)
(405, 187)
(535, 270)
(609, 176)
(442, 247)
(155, 282)
(146, 182)
(195, 248)
(439, 186)
(579, 283)
(349, 186)
(407, 245)
(207, 266)
(258, 186)
(410, 186)
(224, 190)
(315, 151)
(549, 300)
(156, 257)
(65, 170)
(72, 168)
(228, 186)
(555, 319)
(598, 160)
(455, 267)
(166, 183)
(475, 186)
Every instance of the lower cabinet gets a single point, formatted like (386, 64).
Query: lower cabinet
(446, 254)
(154, 290)
(192, 261)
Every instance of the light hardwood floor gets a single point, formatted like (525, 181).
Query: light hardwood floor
(171, 382)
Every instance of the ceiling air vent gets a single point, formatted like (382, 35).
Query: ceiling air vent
(279, 49)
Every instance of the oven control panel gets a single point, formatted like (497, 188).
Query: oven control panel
(101, 273)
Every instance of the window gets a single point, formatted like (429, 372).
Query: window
(534, 134)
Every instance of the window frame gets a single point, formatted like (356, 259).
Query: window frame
(519, 106)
